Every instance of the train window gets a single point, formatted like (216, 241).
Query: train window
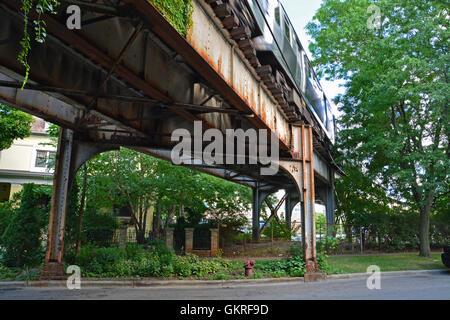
(307, 66)
(294, 44)
(277, 15)
(287, 30)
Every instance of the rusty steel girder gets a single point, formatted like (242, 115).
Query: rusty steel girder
(130, 81)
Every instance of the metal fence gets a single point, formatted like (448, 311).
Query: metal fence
(357, 238)
(114, 237)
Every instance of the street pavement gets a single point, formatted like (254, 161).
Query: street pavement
(434, 285)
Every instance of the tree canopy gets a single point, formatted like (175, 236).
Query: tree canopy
(14, 124)
(136, 181)
(395, 122)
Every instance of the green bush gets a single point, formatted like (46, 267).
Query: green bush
(292, 266)
(126, 268)
(328, 245)
(22, 238)
(280, 230)
(149, 266)
(205, 267)
(182, 266)
(133, 251)
(98, 227)
(99, 260)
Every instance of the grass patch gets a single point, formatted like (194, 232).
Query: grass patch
(390, 262)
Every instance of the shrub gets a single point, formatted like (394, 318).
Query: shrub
(278, 274)
(327, 245)
(99, 260)
(133, 251)
(125, 268)
(205, 267)
(293, 266)
(182, 266)
(149, 266)
(280, 230)
(295, 249)
(22, 238)
(98, 227)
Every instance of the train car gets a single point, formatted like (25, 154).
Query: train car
(278, 45)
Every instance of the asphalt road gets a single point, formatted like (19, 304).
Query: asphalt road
(435, 286)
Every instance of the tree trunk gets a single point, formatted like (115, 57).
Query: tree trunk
(81, 212)
(169, 216)
(158, 221)
(424, 232)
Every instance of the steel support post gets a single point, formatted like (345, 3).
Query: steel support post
(288, 210)
(53, 267)
(70, 156)
(308, 214)
(291, 201)
(255, 214)
(259, 195)
(302, 172)
(330, 205)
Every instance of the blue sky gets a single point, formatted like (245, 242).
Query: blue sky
(301, 12)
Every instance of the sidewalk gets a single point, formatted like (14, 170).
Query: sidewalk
(142, 283)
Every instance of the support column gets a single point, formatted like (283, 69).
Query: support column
(301, 169)
(70, 156)
(214, 242)
(123, 236)
(189, 240)
(255, 214)
(288, 210)
(259, 195)
(54, 267)
(169, 237)
(330, 205)
(308, 214)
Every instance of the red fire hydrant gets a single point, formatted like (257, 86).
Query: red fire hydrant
(248, 265)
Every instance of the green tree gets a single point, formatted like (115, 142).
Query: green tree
(126, 179)
(22, 238)
(14, 124)
(136, 181)
(395, 108)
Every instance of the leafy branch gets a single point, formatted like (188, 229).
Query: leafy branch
(40, 33)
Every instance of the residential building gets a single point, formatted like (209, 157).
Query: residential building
(26, 161)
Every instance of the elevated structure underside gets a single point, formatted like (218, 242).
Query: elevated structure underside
(128, 78)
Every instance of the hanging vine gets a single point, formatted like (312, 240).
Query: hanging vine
(41, 7)
(177, 12)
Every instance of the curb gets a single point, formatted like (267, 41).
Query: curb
(142, 283)
(385, 273)
(146, 283)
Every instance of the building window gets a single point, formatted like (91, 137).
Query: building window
(43, 158)
(5, 191)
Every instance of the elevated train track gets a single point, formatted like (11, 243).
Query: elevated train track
(128, 78)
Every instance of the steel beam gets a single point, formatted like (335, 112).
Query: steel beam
(259, 196)
(330, 205)
(71, 155)
(292, 200)
(53, 267)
